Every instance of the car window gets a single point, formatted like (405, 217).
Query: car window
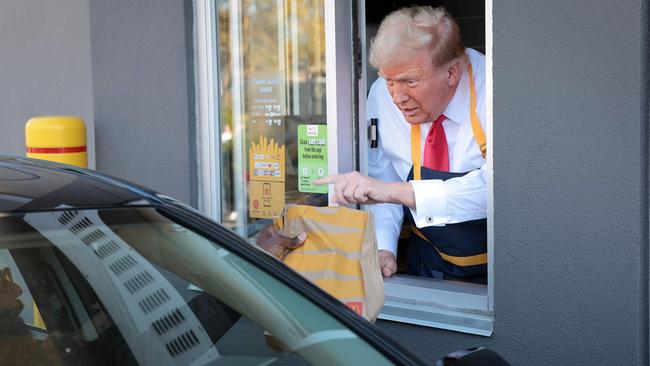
(129, 286)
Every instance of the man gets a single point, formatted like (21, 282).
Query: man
(424, 101)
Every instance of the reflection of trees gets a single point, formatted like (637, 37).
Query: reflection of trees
(285, 36)
(288, 36)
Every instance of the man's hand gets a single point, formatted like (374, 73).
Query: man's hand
(387, 263)
(275, 243)
(352, 188)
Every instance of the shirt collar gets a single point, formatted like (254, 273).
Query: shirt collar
(458, 108)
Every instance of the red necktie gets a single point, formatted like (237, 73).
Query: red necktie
(436, 155)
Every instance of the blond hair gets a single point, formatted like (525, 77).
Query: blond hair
(407, 31)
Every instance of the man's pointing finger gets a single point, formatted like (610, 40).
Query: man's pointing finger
(327, 180)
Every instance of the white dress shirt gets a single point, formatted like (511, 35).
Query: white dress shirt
(437, 202)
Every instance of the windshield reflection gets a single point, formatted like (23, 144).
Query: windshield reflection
(156, 293)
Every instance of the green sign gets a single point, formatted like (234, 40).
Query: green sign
(312, 157)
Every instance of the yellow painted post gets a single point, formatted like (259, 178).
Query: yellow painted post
(57, 138)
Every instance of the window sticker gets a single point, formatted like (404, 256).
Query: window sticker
(266, 178)
(312, 157)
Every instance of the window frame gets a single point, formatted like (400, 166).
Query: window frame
(339, 105)
(439, 305)
(449, 305)
(207, 109)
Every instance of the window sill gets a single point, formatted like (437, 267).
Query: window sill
(450, 305)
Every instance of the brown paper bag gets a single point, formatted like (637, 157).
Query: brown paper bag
(339, 256)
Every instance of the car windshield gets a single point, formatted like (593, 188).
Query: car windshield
(130, 286)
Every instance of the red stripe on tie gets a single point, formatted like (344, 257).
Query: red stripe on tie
(56, 150)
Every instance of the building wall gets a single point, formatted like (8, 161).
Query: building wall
(45, 67)
(143, 87)
(570, 187)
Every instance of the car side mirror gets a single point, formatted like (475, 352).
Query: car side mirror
(480, 356)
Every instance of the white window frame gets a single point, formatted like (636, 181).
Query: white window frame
(207, 109)
(456, 306)
(339, 72)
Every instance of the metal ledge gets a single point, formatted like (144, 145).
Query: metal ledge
(450, 305)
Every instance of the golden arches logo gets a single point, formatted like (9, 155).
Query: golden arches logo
(356, 306)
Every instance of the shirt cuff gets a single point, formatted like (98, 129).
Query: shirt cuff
(430, 203)
(387, 240)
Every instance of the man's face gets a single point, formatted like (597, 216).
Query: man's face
(420, 90)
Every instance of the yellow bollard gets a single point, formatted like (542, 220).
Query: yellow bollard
(57, 138)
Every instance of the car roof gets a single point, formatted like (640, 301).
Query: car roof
(28, 185)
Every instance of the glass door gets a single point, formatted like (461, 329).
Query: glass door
(274, 116)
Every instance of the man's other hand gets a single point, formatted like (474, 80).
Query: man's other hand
(387, 263)
(276, 244)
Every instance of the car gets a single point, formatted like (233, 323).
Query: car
(98, 271)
